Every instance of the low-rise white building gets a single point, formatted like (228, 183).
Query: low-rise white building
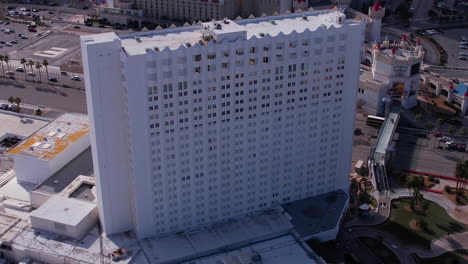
(50, 148)
(65, 216)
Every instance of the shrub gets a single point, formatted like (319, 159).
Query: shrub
(437, 181)
(38, 112)
(448, 189)
(431, 178)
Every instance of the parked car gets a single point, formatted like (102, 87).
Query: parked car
(463, 46)
(19, 69)
(10, 73)
(437, 134)
(24, 37)
(63, 73)
(53, 79)
(463, 54)
(463, 58)
(32, 30)
(31, 74)
(4, 107)
(76, 78)
(77, 27)
(2, 42)
(13, 108)
(14, 42)
(8, 44)
(445, 139)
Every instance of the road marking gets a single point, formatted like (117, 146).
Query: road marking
(51, 53)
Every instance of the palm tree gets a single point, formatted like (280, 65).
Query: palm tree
(418, 118)
(1, 62)
(18, 101)
(463, 131)
(46, 63)
(429, 127)
(440, 122)
(460, 173)
(452, 130)
(38, 68)
(23, 61)
(6, 58)
(31, 64)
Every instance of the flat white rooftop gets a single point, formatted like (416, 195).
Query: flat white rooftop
(21, 126)
(281, 250)
(54, 138)
(67, 211)
(173, 38)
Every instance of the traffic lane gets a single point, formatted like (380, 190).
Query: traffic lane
(55, 97)
(350, 243)
(450, 40)
(429, 159)
(61, 79)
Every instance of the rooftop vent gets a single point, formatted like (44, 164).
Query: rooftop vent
(156, 49)
(218, 26)
(273, 22)
(225, 21)
(138, 39)
(305, 18)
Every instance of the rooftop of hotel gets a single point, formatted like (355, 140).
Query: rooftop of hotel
(268, 228)
(173, 38)
(67, 211)
(54, 138)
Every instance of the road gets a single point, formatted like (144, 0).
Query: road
(58, 98)
(349, 242)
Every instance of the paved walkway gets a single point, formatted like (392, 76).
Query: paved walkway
(358, 227)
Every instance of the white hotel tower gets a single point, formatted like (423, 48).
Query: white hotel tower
(197, 124)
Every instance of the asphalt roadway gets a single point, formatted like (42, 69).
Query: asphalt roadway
(54, 97)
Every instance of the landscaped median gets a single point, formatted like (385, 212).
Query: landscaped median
(403, 224)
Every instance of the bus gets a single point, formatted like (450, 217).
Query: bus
(375, 121)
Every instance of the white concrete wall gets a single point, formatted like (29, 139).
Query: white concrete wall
(73, 231)
(37, 198)
(31, 169)
(109, 138)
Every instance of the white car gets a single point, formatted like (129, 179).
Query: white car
(463, 54)
(31, 74)
(461, 46)
(76, 78)
(8, 44)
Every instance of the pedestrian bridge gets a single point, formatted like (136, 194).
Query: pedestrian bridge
(381, 152)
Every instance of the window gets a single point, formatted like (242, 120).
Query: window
(266, 59)
(225, 65)
(240, 52)
(197, 69)
(252, 50)
(198, 57)
(211, 56)
(252, 61)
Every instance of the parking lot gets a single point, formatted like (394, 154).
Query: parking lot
(14, 36)
(450, 40)
(57, 48)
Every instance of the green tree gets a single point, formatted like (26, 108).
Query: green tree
(31, 64)
(23, 62)
(452, 130)
(38, 68)
(440, 122)
(3, 67)
(463, 131)
(418, 118)
(429, 126)
(46, 64)
(6, 58)
(11, 99)
(461, 174)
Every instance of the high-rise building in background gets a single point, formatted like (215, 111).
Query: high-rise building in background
(197, 124)
(190, 10)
